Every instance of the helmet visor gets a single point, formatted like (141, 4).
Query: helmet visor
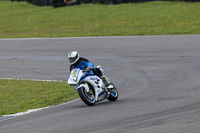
(71, 60)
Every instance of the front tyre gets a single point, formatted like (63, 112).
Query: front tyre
(87, 97)
(113, 94)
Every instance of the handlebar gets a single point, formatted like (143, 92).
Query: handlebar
(88, 69)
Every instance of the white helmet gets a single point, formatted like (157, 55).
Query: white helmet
(73, 57)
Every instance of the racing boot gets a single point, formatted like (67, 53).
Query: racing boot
(107, 82)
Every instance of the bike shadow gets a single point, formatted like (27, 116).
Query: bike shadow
(98, 104)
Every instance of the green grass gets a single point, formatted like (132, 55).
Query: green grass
(21, 95)
(19, 19)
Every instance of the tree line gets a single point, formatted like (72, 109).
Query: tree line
(58, 3)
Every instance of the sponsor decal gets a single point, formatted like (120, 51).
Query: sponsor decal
(102, 95)
(95, 78)
(74, 74)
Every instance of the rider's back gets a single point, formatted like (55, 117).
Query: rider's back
(82, 63)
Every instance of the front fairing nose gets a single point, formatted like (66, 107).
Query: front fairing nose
(75, 76)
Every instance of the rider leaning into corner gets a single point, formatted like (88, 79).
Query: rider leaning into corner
(76, 61)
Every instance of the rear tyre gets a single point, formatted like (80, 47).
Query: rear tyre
(87, 97)
(113, 94)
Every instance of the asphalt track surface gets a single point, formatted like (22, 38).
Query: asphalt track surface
(158, 79)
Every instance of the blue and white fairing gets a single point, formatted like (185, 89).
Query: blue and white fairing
(75, 76)
(78, 76)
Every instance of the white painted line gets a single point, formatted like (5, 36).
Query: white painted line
(34, 79)
(23, 113)
(6, 117)
(65, 103)
(103, 37)
(65, 38)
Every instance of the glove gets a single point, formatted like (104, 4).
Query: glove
(88, 69)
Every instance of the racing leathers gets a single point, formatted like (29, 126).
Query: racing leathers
(85, 64)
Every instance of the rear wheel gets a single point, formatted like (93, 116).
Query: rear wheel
(113, 94)
(87, 97)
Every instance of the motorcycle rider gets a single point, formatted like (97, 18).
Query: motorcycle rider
(76, 61)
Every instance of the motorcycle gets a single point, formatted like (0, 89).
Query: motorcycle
(90, 87)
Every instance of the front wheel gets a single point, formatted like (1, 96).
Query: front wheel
(87, 97)
(113, 94)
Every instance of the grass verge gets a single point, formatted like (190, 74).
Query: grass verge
(22, 95)
(20, 19)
